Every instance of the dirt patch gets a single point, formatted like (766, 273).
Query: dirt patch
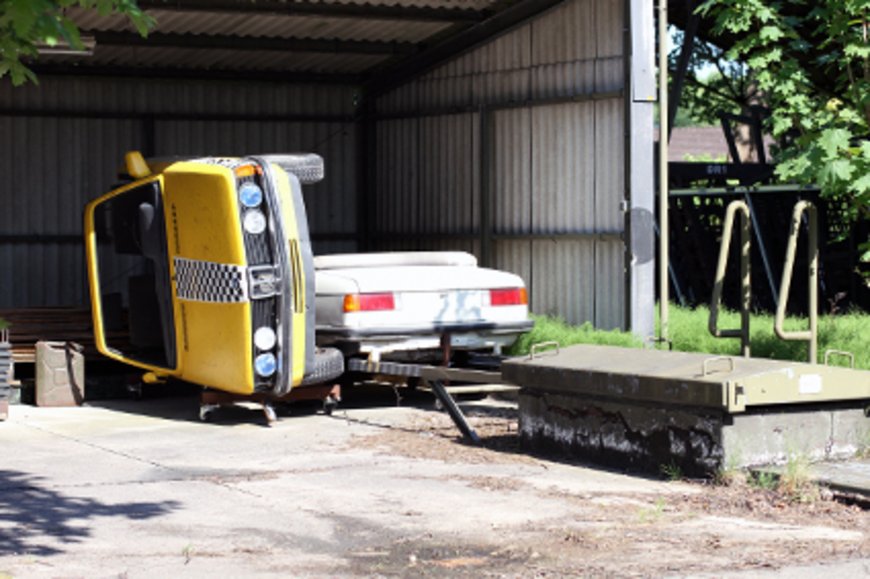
(701, 526)
(435, 437)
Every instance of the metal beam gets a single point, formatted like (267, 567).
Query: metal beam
(449, 48)
(192, 116)
(331, 10)
(640, 88)
(174, 40)
(679, 77)
(276, 76)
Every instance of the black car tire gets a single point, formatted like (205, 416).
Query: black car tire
(328, 365)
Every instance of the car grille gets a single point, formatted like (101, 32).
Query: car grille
(259, 251)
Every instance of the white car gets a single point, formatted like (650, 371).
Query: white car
(407, 304)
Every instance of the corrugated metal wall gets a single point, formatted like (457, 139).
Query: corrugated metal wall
(62, 142)
(541, 111)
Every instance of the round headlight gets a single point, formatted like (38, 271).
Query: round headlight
(265, 365)
(254, 221)
(250, 194)
(265, 338)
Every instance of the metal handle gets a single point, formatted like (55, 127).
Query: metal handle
(708, 361)
(745, 269)
(850, 355)
(809, 335)
(540, 346)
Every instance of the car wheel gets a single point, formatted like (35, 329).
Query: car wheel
(328, 365)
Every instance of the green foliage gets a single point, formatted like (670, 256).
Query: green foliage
(652, 514)
(671, 471)
(811, 64)
(3, 324)
(713, 84)
(551, 329)
(27, 24)
(764, 480)
(688, 332)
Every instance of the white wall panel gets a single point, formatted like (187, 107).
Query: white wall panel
(563, 169)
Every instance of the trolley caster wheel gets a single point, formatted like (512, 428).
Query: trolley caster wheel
(270, 414)
(330, 403)
(206, 412)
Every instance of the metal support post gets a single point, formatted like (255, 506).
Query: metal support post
(663, 171)
(454, 411)
(486, 229)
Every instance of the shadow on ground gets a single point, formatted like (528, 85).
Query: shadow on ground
(36, 520)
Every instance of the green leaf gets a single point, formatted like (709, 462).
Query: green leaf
(770, 33)
(861, 186)
(833, 140)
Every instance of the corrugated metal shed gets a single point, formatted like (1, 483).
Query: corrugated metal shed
(552, 94)
(67, 137)
(494, 126)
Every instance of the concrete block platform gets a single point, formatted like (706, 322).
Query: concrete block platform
(649, 410)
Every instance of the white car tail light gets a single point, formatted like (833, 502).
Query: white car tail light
(369, 302)
(508, 297)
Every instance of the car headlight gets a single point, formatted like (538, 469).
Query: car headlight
(250, 194)
(265, 338)
(265, 364)
(254, 221)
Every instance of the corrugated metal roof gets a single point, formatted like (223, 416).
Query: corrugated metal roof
(185, 24)
(267, 25)
(221, 59)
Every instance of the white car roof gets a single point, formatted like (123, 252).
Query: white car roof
(422, 258)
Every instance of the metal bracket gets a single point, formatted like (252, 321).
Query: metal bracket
(845, 354)
(535, 350)
(705, 365)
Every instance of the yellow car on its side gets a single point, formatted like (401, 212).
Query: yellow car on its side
(201, 270)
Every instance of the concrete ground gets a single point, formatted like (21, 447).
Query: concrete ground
(143, 489)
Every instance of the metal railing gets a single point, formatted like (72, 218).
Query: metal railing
(809, 335)
(745, 281)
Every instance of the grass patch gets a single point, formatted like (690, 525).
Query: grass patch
(548, 329)
(688, 332)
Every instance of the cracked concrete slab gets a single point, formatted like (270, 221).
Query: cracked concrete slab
(142, 489)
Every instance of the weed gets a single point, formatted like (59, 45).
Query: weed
(671, 471)
(795, 481)
(187, 553)
(653, 514)
(864, 446)
(764, 480)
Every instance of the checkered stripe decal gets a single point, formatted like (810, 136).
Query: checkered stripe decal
(206, 281)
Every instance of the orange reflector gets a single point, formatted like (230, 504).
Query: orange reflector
(247, 171)
(509, 297)
(369, 302)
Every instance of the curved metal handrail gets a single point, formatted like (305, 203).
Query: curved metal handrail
(745, 281)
